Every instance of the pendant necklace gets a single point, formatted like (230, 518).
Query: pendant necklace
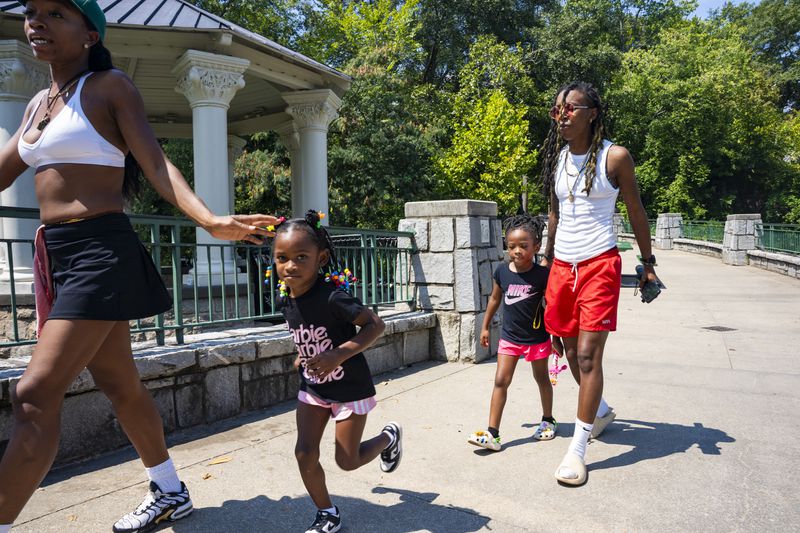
(571, 189)
(51, 100)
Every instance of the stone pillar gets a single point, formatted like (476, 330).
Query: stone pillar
(618, 221)
(313, 112)
(459, 244)
(668, 228)
(21, 77)
(740, 236)
(290, 138)
(209, 82)
(235, 148)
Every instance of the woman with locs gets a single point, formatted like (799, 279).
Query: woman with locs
(81, 135)
(583, 173)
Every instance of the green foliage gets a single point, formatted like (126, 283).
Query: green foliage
(278, 20)
(263, 177)
(700, 117)
(490, 152)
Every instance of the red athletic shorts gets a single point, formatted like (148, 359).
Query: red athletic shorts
(583, 296)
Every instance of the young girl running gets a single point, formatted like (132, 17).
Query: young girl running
(520, 285)
(335, 381)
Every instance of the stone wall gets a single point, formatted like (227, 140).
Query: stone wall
(209, 380)
(712, 249)
(786, 264)
(459, 244)
(668, 228)
(739, 238)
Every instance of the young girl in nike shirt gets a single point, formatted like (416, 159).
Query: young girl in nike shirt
(520, 286)
(335, 381)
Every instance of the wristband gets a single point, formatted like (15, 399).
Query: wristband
(650, 261)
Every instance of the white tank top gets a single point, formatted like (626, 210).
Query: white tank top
(69, 138)
(585, 228)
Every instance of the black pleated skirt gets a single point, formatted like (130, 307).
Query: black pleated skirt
(101, 271)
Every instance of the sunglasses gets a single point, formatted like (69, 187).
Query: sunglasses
(567, 109)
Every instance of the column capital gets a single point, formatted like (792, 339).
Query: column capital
(21, 76)
(314, 109)
(207, 79)
(290, 138)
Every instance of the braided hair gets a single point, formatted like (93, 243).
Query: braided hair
(534, 225)
(553, 144)
(310, 225)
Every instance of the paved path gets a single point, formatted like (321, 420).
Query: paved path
(706, 439)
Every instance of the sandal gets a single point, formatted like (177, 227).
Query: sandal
(484, 439)
(545, 431)
(600, 424)
(572, 470)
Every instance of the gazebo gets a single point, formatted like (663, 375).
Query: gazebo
(201, 77)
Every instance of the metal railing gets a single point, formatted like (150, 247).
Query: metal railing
(239, 291)
(783, 238)
(703, 230)
(627, 228)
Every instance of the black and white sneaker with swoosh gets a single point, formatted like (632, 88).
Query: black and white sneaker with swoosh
(326, 522)
(158, 507)
(390, 457)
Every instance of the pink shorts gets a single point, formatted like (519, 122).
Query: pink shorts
(340, 411)
(532, 352)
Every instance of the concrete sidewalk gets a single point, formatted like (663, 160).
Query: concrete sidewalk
(706, 437)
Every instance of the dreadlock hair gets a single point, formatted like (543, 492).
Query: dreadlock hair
(99, 61)
(553, 143)
(311, 226)
(534, 225)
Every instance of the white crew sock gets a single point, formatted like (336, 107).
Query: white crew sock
(5, 528)
(332, 510)
(603, 409)
(164, 476)
(579, 438)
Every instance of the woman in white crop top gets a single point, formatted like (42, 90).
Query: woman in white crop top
(81, 135)
(584, 173)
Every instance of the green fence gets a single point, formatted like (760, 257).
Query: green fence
(703, 230)
(627, 228)
(241, 291)
(783, 238)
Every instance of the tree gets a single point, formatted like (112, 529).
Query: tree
(699, 116)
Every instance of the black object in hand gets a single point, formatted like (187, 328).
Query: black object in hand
(651, 289)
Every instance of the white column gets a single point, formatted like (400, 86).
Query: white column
(291, 140)
(313, 111)
(21, 77)
(235, 148)
(209, 82)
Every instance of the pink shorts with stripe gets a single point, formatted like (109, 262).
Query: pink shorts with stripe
(340, 411)
(532, 352)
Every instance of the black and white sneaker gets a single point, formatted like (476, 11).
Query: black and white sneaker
(390, 457)
(326, 522)
(156, 508)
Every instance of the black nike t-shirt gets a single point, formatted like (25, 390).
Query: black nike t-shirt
(320, 320)
(522, 299)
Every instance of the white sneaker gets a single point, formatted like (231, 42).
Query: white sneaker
(157, 507)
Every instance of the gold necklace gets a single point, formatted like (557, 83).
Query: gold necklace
(571, 189)
(51, 100)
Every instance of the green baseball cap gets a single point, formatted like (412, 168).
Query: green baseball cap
(91, 11)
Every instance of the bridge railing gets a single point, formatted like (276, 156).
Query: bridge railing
(240, 292)
(782, 238)
(703, 230)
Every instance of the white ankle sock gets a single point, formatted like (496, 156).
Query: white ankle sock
(5, 528)
(331, 510)
(579, 438)
(603, 409)
(164, 476)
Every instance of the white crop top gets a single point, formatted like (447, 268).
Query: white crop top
(69, 138)
(585, 228)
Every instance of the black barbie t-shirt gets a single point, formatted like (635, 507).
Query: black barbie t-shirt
(522, 299)
(320, 320)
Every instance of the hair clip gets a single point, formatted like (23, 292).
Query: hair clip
(321, 216)
(282, 290)
(272, 227)
(342, 280)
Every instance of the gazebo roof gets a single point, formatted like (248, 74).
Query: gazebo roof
(148, 36)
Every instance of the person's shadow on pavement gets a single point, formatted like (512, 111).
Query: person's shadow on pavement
(652, 440)
(415, 511)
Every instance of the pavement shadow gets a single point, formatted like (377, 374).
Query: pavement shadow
(415, 511)
(653, 440)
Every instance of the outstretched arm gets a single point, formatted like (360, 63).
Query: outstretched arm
(128, 109)
(620, 167)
